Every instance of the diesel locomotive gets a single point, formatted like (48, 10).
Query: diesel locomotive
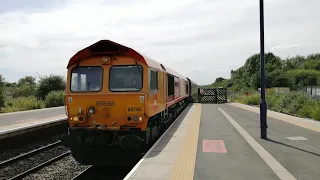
(118, 102)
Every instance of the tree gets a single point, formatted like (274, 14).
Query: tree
(26, 87)
(8, 84)
(277, 78)
(2, 83)
(312, 64)
(315, 56)
(295, 72)
(28, 80)
(301, 78)
(219, 79)
(50, 83)
(294, 62)
(251, 73)
(272, 62)
(254, 80)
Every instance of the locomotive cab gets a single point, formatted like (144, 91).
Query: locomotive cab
(106, 97)
(105, 104)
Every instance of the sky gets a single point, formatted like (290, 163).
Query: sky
(201, 39)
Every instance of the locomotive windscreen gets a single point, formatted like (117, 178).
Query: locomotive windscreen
(86, 79)
(126, 78)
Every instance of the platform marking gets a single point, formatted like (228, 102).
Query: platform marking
(192, 108)
(216, 146)
(277, 168)
(297, 138)
(183, 168)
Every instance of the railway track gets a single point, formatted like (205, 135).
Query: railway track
(53, 161)
(20, 166)
(12, 145)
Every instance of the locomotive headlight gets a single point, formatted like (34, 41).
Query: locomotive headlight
(135, 118)
(91, 110)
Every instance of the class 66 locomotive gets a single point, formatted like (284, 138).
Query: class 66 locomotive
(118, 102)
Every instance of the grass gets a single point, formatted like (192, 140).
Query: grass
(296, 103)
(53, 99)
(23, 104)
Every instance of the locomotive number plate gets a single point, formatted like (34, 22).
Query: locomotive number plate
(105, 103)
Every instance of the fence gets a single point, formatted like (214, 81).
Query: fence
(313, 91)
(212, 95)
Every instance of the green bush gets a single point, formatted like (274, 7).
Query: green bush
(253, 99)
(315, 112)
(54, 99)
(311, 109)
(2, 100)
(23, 103)
(24, 91)
(295, 103)
(50, 83)
(238, 99)
(301, 78)
(292, 102)
(274, 101)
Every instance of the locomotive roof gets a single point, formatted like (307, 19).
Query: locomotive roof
(107, 47)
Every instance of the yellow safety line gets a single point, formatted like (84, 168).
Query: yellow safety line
(183, 168)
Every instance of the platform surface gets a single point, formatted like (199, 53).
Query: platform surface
(25, 119)
(223, 141)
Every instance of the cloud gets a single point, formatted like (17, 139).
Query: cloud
(286, 46)
(198, 38)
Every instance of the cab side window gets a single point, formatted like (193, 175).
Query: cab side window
(153, 81)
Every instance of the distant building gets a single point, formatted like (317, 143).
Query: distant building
(313, 91)
(276, 89)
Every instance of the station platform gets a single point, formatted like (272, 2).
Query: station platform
(17, 121)
(222, 141)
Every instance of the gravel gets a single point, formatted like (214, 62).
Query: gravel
(65, 168)
(15, 152)
(68, 167)
(24, 164)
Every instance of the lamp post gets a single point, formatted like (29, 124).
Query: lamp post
(263, 104)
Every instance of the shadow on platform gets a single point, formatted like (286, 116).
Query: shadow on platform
(277, 142)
